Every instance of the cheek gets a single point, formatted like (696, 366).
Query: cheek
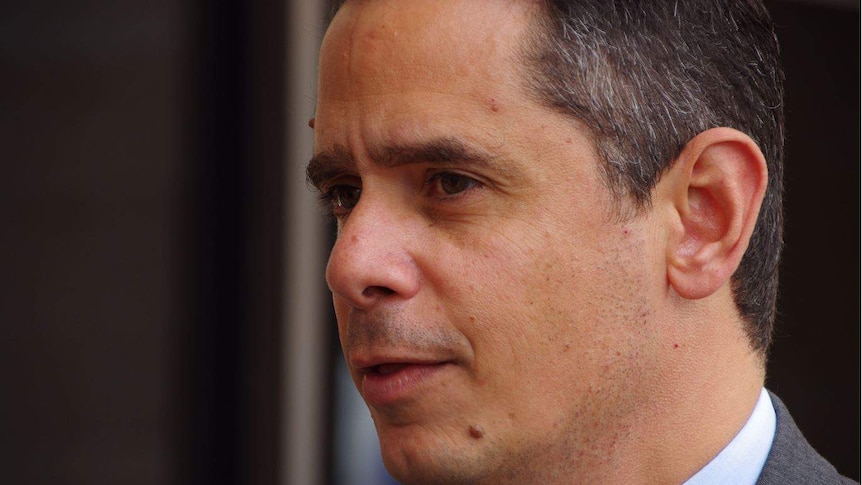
(537, 302)
(505, 299)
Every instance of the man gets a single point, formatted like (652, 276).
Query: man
(559, 226)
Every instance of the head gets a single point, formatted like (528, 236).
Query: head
(536, 209)
(646, 77)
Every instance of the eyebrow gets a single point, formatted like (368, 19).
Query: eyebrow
(440, 151)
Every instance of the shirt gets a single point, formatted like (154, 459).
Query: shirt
(742, 460)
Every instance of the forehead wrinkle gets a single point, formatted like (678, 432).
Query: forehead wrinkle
(381, 44)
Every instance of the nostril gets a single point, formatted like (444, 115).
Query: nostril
(377, 291)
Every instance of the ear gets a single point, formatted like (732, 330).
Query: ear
(714, 189)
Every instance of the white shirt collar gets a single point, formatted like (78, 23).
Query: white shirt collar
(742, 460)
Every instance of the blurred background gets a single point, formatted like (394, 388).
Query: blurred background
(164, 317)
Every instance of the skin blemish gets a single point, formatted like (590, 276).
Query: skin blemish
(626, 230)
(494, 107)
(311, 123)
(676, 346)
(476, 432)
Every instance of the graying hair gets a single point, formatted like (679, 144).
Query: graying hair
(646, 77)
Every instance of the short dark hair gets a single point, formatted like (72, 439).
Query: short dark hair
(646, 76)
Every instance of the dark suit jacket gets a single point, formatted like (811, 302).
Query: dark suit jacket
(792, 460)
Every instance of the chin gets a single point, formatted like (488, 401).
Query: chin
(424, 458)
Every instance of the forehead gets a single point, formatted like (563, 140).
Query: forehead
(383, 46)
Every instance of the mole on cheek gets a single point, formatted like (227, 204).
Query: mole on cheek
(476, 432)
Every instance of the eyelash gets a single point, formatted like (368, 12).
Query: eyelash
(332, 198)
(437, 178)
(332, 203)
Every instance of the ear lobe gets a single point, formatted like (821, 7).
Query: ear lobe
(715, 187)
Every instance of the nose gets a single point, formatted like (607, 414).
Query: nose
(372, 260)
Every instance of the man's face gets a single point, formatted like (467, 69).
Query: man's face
(493, 315)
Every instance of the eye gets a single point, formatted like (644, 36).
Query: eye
(341, 199)
(451, 183)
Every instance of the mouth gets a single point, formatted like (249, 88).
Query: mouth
(393, 383)
(386, 369)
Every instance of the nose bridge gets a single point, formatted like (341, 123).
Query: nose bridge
(372, 255)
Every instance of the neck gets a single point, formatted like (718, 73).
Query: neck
(695, 392)
(709, 389)
(707, 383)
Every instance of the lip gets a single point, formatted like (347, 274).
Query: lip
(389, 383)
